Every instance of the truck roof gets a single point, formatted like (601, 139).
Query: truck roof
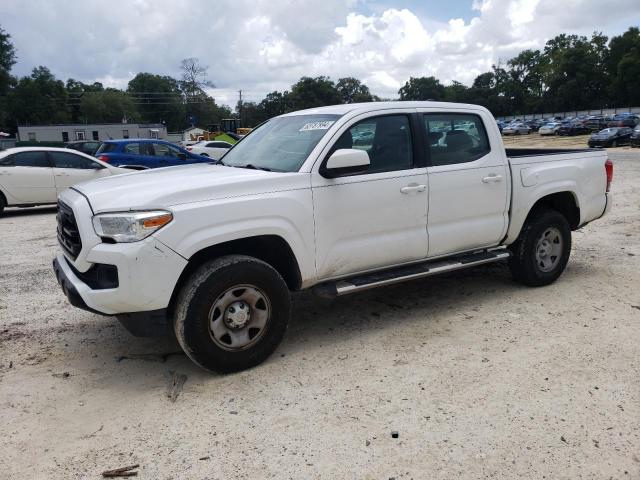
(374, 106)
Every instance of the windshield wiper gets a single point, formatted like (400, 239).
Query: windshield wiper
(253, 167)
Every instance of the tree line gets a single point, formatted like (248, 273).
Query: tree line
(569, 73)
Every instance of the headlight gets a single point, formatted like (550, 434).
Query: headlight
(129, 227)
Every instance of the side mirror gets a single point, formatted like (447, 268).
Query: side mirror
(346, 161)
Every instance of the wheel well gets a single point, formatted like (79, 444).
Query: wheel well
(563, 202)
(271, 249)
(3, 199)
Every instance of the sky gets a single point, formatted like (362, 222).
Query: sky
(264, 45)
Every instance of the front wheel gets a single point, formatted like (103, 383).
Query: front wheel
(232, 313)
(542, 250)
(2, 204)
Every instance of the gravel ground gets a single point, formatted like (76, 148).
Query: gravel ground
(480, 377)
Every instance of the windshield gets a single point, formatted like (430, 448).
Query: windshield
(281, 144)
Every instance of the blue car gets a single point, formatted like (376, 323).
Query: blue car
(142, 154)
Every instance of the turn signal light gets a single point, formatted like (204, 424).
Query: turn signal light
(158, 221)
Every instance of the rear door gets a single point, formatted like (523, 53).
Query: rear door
(28, 177)
(469, 183)
(71, 168)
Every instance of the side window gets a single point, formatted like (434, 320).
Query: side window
(386, 139)
(29, 159)
(163, 150)
(70, 160)
(132, 149)
(455, 138)
(218, 145)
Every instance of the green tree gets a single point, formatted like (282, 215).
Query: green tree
(159, 99)
(352, 90)
(7, 60)
(422, 88)
(313, 92)
(622, 66)
(108, 106)
(39, 99)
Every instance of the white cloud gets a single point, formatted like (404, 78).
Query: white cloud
(263, 45)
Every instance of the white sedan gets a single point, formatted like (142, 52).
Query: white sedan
(36, 175)
(213, 149)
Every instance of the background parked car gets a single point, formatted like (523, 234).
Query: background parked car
(85, 146)
(550, 128)
(574, 127)
(534, 125)
(595, 124)
(142, 154)
(635, 137)
(214, 149)
(624, 120)
(516, 129)
(611, 137)
(36, 175)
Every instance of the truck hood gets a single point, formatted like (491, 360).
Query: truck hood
(164, 187)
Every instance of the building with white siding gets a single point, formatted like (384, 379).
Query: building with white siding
(91, 131)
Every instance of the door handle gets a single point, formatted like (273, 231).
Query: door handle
(413, 188)
(492, 179)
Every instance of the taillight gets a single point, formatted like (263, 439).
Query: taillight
(189, 148)
(608, 167)
(104, 158)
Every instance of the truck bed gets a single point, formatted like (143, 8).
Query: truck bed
(529, 152)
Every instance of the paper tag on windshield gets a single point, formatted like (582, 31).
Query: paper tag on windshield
(317, 126)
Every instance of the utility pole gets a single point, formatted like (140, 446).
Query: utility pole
(240, 106)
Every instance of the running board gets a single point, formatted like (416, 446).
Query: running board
(410, 272)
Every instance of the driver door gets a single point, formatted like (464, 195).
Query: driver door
(377, 218)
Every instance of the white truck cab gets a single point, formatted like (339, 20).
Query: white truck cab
(339, 199)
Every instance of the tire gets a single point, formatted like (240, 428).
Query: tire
(537, 259)
(3, 203)
(206, 320)
(614, 144)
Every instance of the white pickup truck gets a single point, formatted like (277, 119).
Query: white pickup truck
(339, 199)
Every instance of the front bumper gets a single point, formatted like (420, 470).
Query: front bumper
(147, 271)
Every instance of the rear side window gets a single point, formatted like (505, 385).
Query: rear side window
(455, 138)
(70, 160)
(132, 148)
(107, 148)
(26, 159)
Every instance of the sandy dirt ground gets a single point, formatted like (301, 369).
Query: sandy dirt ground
(480, 377)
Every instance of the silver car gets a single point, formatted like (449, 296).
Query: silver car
(549, 128)
(516, 129)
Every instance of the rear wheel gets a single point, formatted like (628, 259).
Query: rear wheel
(3, 203)
(542, 250)
(232, 313)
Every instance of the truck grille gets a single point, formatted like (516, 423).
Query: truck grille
(68, 235)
